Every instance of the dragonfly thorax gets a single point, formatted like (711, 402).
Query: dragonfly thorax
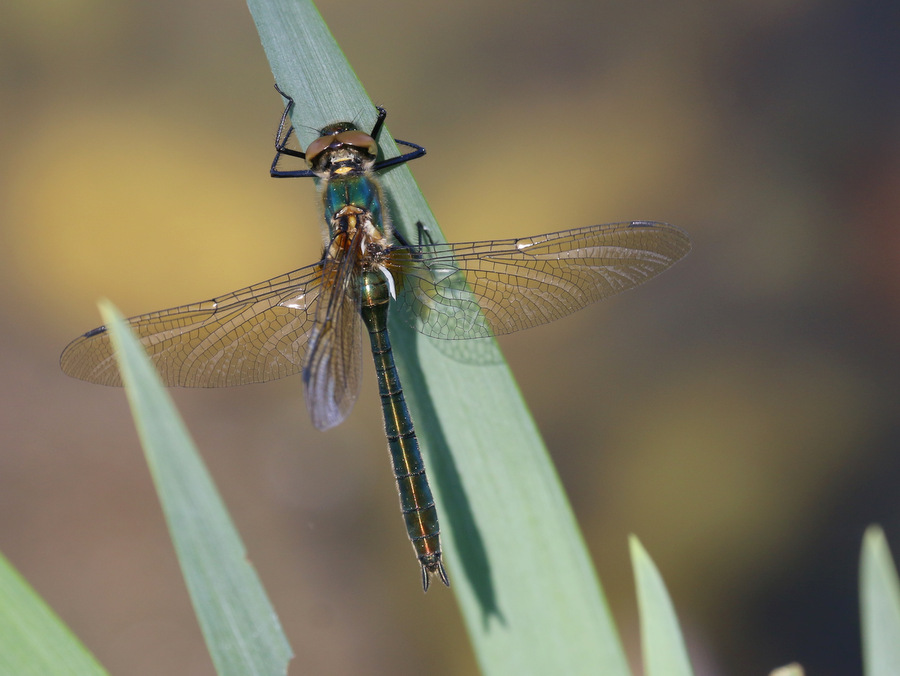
(354, 201)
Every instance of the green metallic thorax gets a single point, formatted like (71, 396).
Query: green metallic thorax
(354, 190)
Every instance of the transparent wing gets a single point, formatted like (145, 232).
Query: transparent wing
(478, 289)
(250, 336)
(332, 371)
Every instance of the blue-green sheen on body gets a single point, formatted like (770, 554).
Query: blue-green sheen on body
(354, 190)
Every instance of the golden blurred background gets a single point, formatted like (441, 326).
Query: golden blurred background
(739, 414)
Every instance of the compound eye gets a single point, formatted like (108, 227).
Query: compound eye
(359, 139)
(317, 147)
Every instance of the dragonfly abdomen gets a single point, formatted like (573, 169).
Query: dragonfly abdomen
(416, 500)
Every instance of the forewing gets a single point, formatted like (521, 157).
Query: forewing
(331, 373)
(478, 289)
(250, 336)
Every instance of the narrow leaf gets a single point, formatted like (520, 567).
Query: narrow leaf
(33, 640)
(241, 629)
(516, 559)
(661, 641)
(879, 592)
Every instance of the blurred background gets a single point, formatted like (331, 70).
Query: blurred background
(739, 414)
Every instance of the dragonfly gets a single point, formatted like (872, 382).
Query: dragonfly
(308, 321)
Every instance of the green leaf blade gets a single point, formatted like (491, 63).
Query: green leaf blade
(879, 591)
(33, 640)
(517, 562)
(240, 626)
(662, 643)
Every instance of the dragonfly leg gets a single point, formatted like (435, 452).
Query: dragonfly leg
(401, 159)
(424, 234)
(423, 237)
(281, 137)
(417, 151)
(376, 129)
(281, 140)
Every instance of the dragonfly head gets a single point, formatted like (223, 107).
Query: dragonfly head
(341, 149)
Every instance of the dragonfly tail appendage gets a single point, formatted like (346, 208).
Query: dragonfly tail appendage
(433, 566)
